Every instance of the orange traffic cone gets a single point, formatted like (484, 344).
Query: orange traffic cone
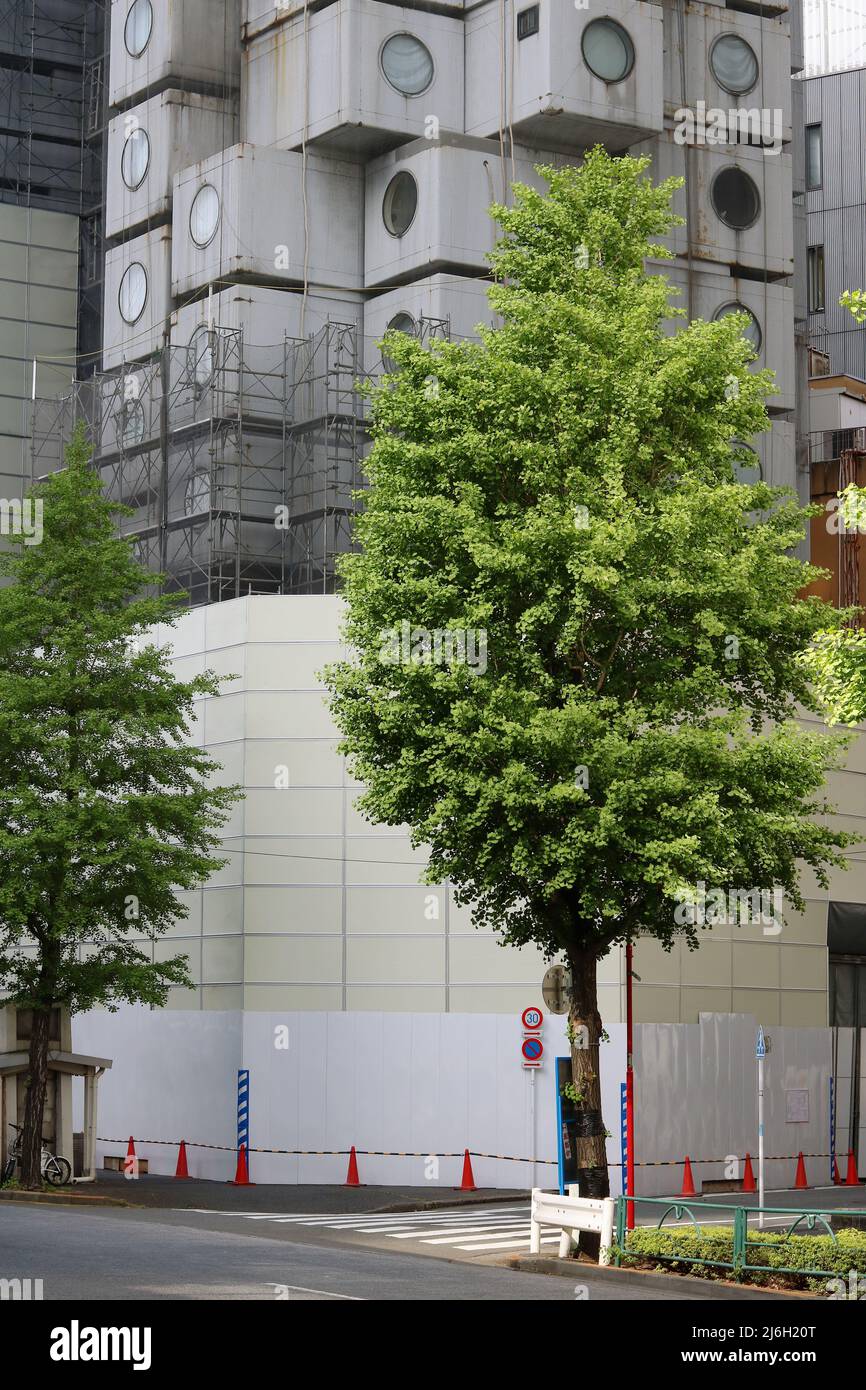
(181, 1171)
(688, 1180)
(851, 1179)
(242, 1173)
(352, 1179)
(467, 1182)
(800, 1179)
(749, 1184)
(130, 1163)
(837, 1176)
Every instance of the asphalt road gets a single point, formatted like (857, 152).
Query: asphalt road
(147, 1255)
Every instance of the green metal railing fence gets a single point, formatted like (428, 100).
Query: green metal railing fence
(812, 1221)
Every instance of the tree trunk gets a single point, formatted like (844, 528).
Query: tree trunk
(34, 1109)
(585, 1031)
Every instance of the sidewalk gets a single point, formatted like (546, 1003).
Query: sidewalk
(156, 1190)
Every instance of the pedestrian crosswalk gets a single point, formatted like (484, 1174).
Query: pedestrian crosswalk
(481, 1230)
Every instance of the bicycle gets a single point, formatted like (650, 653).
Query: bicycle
(55, 1170)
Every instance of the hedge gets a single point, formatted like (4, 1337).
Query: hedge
(650, 1247)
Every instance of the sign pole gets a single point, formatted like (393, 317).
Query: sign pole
(532, 1122)
(760, 1053)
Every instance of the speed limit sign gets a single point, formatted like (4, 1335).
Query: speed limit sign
(532, 1018)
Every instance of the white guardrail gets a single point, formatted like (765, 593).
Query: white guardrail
(571, 1214)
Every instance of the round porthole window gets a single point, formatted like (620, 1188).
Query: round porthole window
(746, 464)
(197, 494)
(131, 424)
(407, 64)
(607, 50)
(138, 28)
(204, 216)
(733, 64)
(201, 356)
(400, 203)
(753, 329)
(400, 323)
(736, 198)
(135, 159)
(132, 295)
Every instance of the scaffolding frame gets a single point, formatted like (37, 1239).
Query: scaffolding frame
(240, 464)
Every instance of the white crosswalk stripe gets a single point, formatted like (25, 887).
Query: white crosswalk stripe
(482, 1229)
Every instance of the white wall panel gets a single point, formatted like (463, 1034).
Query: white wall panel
(174, 1076)
(677, 1066)
(394, 1081)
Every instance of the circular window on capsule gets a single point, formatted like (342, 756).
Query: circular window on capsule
(201, 355)
(400, 204)
(735, 198)
(132, 295)
(204, 216)
(407, 64)
(733, 64)
(607, 50)
(135, 160)
(131, 424)
(138, 28)
(752, 331)
(400, 323)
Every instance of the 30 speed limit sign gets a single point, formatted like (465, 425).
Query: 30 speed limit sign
(532, 1019)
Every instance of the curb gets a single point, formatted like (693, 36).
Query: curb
(63, 1199)
(649, 1279)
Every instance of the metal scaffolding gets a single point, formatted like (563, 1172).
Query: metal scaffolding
(239, 463)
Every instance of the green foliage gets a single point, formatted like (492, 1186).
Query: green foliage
(855, 301)
(836, 661)
(647, 1245)
(570, 1092)
(105, 809)
(565, 486)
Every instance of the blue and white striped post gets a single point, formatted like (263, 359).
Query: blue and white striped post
(244, 1113)
(832, 1132)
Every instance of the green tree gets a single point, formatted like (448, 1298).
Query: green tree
(565, 486)
(105, 808)
(836, 661)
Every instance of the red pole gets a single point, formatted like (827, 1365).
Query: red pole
(629, 1088)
